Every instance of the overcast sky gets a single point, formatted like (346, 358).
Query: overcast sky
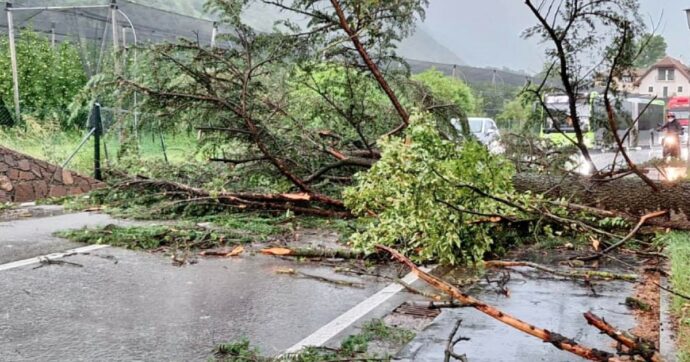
(487, 33)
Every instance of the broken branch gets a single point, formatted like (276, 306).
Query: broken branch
(636, 345)
(632, 233)
(583, 274)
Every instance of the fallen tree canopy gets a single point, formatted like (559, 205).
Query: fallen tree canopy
(628, 196)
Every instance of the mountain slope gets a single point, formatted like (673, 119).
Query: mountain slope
(420, 46)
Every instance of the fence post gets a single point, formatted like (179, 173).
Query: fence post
(98, 131)
(13, 60)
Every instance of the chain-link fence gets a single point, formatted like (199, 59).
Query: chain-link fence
(50, 49)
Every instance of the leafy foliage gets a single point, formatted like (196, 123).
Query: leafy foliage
(48, 78)
(491, 98)
(651, 48)
(418, 193)
(448, 88)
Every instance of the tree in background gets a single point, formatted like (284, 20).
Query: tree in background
(48, 78)
(652, 47)
(521, 113)
(493, 97)
(448, 88)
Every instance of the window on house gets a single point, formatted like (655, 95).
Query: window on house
(627, 79)
(666, 74)
(651, 89)
(680, 89)
(665, 92)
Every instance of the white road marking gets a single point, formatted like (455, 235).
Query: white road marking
(25, 262)
(330, 330)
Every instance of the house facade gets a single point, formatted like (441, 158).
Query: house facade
(667, 78)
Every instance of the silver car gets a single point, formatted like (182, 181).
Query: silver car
(483, 128)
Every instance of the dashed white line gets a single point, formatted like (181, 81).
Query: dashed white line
(330, 330)
(25, 262)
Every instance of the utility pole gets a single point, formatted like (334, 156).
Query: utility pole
(116, 44)
(214, 33)
(52, 35)
(13, 60)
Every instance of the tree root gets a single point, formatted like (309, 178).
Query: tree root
(636, 345)
(577, 274)
(556, 339)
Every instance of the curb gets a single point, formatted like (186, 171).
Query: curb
(667, 336)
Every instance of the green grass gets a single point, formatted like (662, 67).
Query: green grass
(353, 347)
(49, 143)
(679, 251)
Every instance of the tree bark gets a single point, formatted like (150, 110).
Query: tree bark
(626, 195)
(636, 345)
(373, 68)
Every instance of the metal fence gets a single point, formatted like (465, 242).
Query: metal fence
(100, 29)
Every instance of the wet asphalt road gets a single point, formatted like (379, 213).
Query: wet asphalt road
(554, 305)
(25, 238)
(120, 305)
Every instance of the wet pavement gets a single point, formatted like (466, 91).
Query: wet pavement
(23, 238)
(556, 305)
(118, 305)
(126, 306)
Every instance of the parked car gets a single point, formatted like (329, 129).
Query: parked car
(484, 129)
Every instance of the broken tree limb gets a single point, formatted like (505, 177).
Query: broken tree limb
(290, 271)
(632, 233)
(581, 274)
(635, 345)
(555, 339)
(300, 202)
(314, 253)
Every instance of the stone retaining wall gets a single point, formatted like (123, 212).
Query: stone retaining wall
(24, 178)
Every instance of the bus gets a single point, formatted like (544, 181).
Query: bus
(557, 123)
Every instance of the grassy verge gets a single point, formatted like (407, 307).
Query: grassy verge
(354, 347)
(48, 142)
(679, 249)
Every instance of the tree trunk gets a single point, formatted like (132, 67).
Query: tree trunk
(628, 195)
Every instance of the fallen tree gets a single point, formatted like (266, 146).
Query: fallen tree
(628, 196)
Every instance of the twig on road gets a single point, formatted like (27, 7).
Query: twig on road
(452, 341)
